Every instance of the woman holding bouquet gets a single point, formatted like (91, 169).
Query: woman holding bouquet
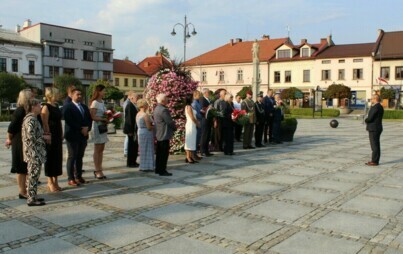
(97, 110)
(191, 130)
(228, 125)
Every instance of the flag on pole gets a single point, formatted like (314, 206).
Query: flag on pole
(382, 80)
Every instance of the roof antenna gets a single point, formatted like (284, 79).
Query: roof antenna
(288, 28)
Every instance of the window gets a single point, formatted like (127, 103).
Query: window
(53, 71)
(240, 75)
(88, 43)
(341, 74)
(106, 57)
(385, 72)
(221, 76)
(399, 72)
(277, 77)
(88, 56)
(88, 74)
(14, 65)
(134, 82)
(126, 82)
(204, 76)
(68, 53)
(342, 61)
(358, 60)
(307, 76)
(68, 71)
(106, 75)
(141, 82)
(325, 74)
(116, 81)
(53, 51)
(305, 52)
(357, 74)
(68, 40)
(285, 53)
(31, 67)
(3, 65)
(287, 75)
(326, 61)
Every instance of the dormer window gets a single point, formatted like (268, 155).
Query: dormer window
(305, 52)
(284, 53)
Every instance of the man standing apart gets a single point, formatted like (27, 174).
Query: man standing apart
(126, 143)
(77, 125)
(374, 128)
(260, 120)
(278, 116)
(249, 106)
(165, 127)
(269, 103)
(130, 129)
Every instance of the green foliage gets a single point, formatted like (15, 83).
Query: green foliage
(388, 94)
(5, 117)
(337, 91)
(289, 121)
(118, 122)
(111, 92)
(393, 114)
(327, 112)
(10, 86)
(243, 91)
(163, 51)
(291, 93)
(64, 81)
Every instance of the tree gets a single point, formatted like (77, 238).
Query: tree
(243, 91)
(163, 51)
(291, 93)
(10, 86)
(337, 91)
(65, 80)
(111, 92)
(388, 94)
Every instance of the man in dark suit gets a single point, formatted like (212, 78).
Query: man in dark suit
(278, 116)
(130, 129)
(260, 120)
(78, 123)
(206, 123)
(374, 128)
(269, 103)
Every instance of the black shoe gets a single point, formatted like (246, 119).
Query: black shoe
(36, 203)
(260, 146)
(251, 147)
(166, 173)
(189, 161)
(207, 154)
(135, 165)
(278, 142)
(232, 154)
(245, 147)
(23, 197)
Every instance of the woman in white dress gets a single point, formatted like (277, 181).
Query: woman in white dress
(191, 130)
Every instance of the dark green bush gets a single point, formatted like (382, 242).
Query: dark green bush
(328, 112)
(5, 118)
(393, 114)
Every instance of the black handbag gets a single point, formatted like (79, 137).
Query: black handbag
(102, 128)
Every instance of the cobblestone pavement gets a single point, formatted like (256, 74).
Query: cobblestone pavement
(314, 195)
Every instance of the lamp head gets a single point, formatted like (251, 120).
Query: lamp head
(188, 35)
(194, 32)
(173, 33)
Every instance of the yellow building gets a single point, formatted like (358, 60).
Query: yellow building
(128, 76)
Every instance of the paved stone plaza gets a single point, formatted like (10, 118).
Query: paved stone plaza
(314, 195)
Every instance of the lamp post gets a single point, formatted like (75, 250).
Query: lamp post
(186, 34)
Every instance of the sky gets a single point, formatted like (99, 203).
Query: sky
(140, 27)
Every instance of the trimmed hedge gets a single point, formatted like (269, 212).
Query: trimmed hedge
(329, 112)
(393, 114)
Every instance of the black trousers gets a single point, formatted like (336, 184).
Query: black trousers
(205, 136)
(218, 136)
(268, 129)
(228, 138)
(238, 132)
(259, 133)
(75, 156)
(374, 140)
(277, 131)
(162, 153)
(132, 151)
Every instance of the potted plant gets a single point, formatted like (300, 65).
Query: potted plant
(288, 128)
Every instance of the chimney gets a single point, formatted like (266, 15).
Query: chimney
(323, 40)
(231, 42)
(266, 37)
(329, 40)
(303, 41)
(17, 28)
(238, 40)
(27, 23)
(380, 31)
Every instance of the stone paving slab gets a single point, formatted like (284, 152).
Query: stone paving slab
(175, 189)
(54, 245)
(129, 201)
(373, 205)
(309, 196)
(257, 188)
(222, 199)
(14, 230)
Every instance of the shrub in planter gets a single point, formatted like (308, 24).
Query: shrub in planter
(288, 128)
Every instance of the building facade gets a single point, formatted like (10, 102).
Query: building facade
(22, 57)
(128, 76)
(86, 55)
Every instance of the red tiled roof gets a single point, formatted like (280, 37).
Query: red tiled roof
(347, 50)
(237, 52)
(318, 46)
(127, 67)
(153, 64)
(389, 45)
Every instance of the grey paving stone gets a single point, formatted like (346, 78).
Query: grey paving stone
(310, 196)
(181, 174)
(68, 216)
(4, 182)
(304, 171)
(385, 192)
(364, 169)
(210, 180)
(352, 224)
(179, 214)
(204, 167)
(280, 210)
(240, 173)
(240, 229)
(184, 245)
(390, 181)
(129, 201)
(51, 199)
(121, 232)
(222, 199)
(282, 179)
(91, 190)
(9, 191)
(135, 182)
(379, 206)
(257, 188)
(331, 185)
(15, 230)
(53, 245)
(229, 162)
(353, 177)
(175, 189)
(310, 243)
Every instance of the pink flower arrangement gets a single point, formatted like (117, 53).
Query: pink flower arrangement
(176, 85)
(112, 116)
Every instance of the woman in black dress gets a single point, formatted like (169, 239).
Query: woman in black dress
(52, 124)
(14, 140)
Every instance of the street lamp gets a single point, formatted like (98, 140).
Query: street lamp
(186, 34)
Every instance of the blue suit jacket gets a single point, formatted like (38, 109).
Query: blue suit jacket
(74, 121)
